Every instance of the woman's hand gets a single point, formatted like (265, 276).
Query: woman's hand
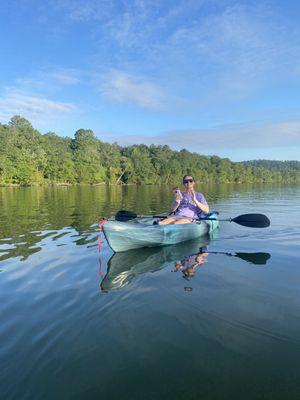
(203, 207)
(178, 198)
(193, 195)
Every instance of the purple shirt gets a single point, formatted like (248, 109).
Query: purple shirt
(187, 207)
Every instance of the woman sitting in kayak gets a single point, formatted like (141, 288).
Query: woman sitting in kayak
(187, 205)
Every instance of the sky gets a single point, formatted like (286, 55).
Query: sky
(213, 76)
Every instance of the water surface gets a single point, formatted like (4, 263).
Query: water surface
(79, 324)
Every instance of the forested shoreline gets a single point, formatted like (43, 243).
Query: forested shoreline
(28, 158)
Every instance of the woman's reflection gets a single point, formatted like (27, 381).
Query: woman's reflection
(189, 265)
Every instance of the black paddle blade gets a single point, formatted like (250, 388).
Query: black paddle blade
(124, 216)
(252, 220)
(254, 258)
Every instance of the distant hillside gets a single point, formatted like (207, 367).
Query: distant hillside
(274, 165)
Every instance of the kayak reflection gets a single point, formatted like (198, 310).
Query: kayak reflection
(125, 266)
(186, 258)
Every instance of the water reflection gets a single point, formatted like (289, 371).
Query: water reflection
(123, 267)
(186, 258)
(189, 265)
(29, 215)
(25, 245)
(259, 258)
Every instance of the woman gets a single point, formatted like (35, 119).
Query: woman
(188, 205)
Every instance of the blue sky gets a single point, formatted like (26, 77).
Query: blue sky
(213, 76)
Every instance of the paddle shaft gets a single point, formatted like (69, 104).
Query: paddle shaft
(166, 216)
(249, 220)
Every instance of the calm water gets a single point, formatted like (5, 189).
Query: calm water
(78, 324)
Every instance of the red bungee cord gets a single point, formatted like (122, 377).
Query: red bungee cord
(100, 224)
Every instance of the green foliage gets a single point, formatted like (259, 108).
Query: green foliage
(29, 158)
(59, 167)
(86, 156)
(274, 165)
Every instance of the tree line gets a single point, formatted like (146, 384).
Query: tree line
(275, 165)
(28, 157)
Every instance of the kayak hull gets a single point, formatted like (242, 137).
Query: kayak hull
(123, 236)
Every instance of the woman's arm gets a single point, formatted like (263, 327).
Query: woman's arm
(203, 207)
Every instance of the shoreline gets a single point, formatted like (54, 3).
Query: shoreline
(44, 185)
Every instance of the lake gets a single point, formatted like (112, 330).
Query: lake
(76, 323)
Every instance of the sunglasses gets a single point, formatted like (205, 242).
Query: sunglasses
(188, 181)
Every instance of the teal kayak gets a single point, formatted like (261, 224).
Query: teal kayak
(123, 236)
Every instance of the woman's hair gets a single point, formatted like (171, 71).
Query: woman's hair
(185, 176)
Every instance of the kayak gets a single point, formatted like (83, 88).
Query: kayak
(123, 236)
(123, 268)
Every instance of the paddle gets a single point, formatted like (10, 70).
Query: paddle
(250, 220)
(124, 216)
(253, 258)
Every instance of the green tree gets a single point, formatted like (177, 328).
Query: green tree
(60, 167)
(86, 156)
(28, 158)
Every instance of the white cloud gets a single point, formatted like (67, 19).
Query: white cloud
(53, 79)
(65, 76)
(206, 52)
(191, 56)
(84, 10)
(119, 87)
(232, 53)
(35, 108)
(275, 134)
